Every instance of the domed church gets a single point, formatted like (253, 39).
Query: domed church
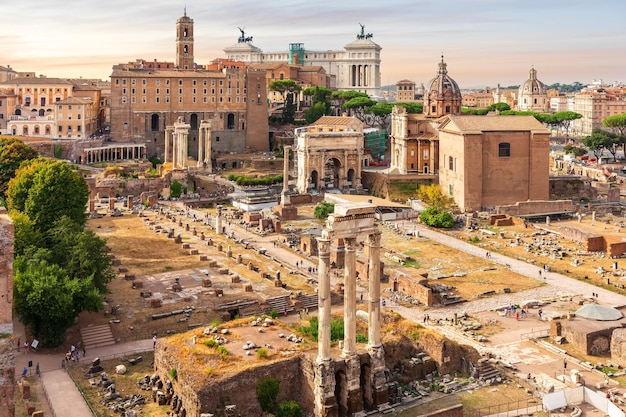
(442, 95)
(533, 95)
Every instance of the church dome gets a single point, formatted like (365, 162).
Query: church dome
(442, 94)
(442, 83)
(532, 85)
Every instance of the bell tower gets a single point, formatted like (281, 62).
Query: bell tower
(184, 42)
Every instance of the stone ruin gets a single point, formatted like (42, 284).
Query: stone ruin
(111, 398)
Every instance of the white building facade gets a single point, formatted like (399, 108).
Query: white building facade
(356, 67)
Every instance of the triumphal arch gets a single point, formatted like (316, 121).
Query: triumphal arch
(357, 386)
(329, 154)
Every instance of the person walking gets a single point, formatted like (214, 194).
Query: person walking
(19, 344)
(564, 363)
(154, 338)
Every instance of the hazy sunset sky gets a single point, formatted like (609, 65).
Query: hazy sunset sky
(484, 42)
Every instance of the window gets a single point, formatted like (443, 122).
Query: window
(132, 81)
(180, 91)
(78, 128)
(158, 82)
(60, 129)
(143, 81)
(451, 163)
(132, 91)
(504, 150)
(78, 117)
(180, 82)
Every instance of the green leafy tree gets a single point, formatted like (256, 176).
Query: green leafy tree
(574, 150)
(81, 253)
(316, 111)
(176, 189)
(564, 120)
(12, 153)
(44, 190)
(498, 107)
(437, 217)
(267, 393)
(323, 209)
(320, 106)
(358, 106)
(617, 124)
(600, 140)
(287, 88)
(416, 108)
(48, 301)
(289, 409)
(26, 235)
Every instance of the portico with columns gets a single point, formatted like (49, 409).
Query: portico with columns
(349, 222)
(176, 142)
(204, 146)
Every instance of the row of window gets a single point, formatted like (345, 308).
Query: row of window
(229, 91)
(36, 130)
(157, 100)
(69, 117)
(157, 81)
(504, 151)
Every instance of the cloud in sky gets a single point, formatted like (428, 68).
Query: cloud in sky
(484, 42)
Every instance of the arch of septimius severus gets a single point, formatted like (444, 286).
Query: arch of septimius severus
(360, 386)
(177, 141)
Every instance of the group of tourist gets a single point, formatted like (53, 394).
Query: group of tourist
(73, 356)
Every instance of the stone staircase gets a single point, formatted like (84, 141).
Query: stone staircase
(309, 301)
(486, 370)
(280, 304)
(97, 336)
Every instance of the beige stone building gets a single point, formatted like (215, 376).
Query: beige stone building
(478, 100)
(596, 103)
(442, 95)
(329, 154)
(76, 118)
(487, 161)
(145, 99)
(405, 91)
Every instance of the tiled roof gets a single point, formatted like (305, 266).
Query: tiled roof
(35, 81)
(334, 120)
(472, 123)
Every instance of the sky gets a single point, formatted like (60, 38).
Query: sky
(484, 42)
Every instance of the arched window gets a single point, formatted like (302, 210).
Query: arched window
(154, 122)
(504, 150)
(230, 121)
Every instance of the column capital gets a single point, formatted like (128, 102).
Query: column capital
(349, 243)
(374, 239)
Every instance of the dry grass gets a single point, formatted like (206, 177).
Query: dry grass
(501, 398)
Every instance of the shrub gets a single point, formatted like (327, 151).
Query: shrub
(323, 209)
(176, 189)
(212, 343)
(174, 374)
(222, 351)
(361, 338)
(261, 353)
(273, 314)
(289, 409)
(435, 217)
(266, 393)
(336, 329)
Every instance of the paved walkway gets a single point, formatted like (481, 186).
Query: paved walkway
(63, 396)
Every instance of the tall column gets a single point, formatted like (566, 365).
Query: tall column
(284, 197)
(349, 303)
(323, 294)
(324, 383)
(200, 147)
(373, 337)
(218, 220)
(167, 145)
(378, 379)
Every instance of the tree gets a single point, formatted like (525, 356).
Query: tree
(267, 393)
(286, 88)
(499, 107)
(81, 253)
(358, 106)
(44, 190)
(574, 150)
(436, 217)
(176, 189)
(617, 124)
(600, 140)
(433, 196)
(323, 209)
(12, 153)
(320, 103)
(48, 301)
(26, 235)
(289, 409)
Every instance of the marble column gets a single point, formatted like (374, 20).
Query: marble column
(349, 304)
(373, 337)
(284, 196)
(324, 301)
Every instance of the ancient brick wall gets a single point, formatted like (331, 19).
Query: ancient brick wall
(523, 208)
(618, 347)
(7, 354)
(415, 286)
